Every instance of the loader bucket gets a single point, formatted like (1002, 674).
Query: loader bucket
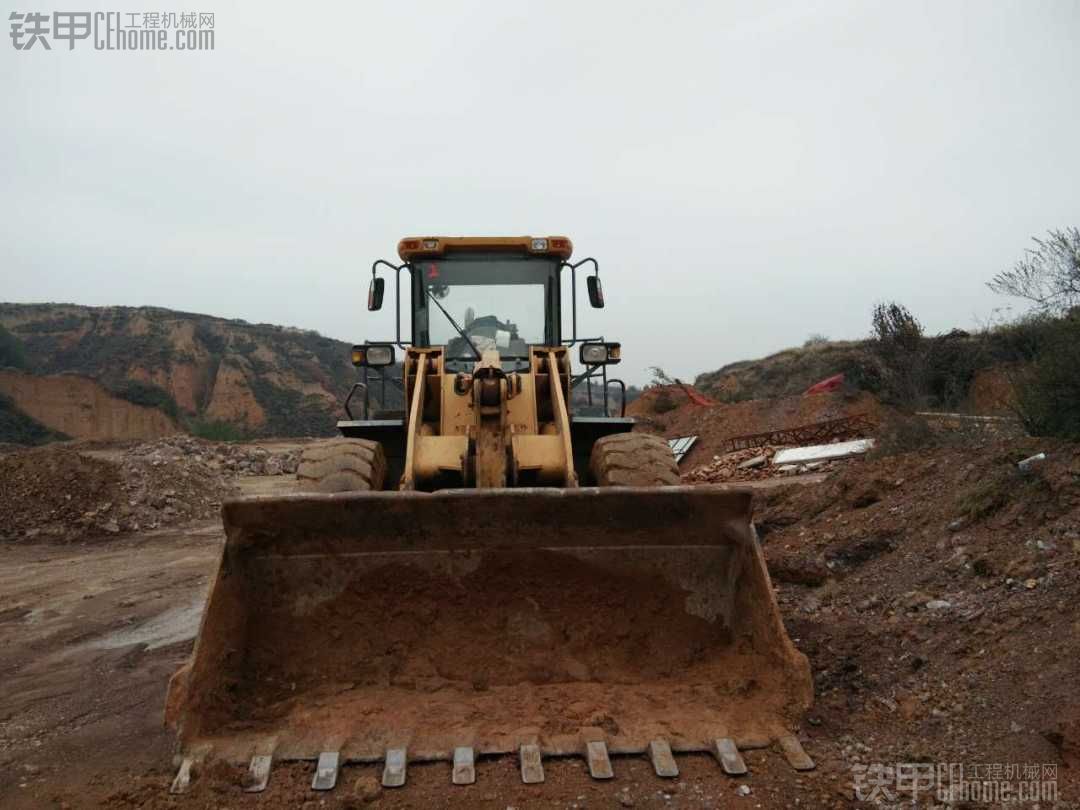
(364, 622)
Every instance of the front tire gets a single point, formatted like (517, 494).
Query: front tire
(342, 465)
(633, 460)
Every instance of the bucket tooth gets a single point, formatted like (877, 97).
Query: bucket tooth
(730, 759)
(532, 767)
(663, 760)
(326, 771)
(183, 776)
(258, 774)
(599, 762)
(393, 774)
(795, 755)
(464, 767)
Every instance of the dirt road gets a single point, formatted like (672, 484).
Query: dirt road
(91, 635)
(935, 594)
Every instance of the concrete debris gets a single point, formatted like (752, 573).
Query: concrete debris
(751, 463)
(822, 452)
(1031, 461)
(759, 463)
(730, 467)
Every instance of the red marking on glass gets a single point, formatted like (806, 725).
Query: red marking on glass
(432, 271)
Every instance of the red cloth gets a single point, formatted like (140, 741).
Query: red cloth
(696, 396)
(826, 385)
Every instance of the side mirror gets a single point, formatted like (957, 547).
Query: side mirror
(375, 294)
(596, 292)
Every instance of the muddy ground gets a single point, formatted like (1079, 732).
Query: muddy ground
(91, 630)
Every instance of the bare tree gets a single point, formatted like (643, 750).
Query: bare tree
(1049, 273)
(659, 376)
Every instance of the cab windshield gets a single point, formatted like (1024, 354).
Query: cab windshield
(499, 303)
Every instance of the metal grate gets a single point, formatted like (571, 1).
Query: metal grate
(848, 427)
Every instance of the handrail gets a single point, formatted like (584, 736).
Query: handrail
(622, 405)
(348, 399)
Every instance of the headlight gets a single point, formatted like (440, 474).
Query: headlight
(539, 244)
(375, 356)
(599, 354)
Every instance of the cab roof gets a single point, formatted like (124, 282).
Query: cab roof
(417, 247)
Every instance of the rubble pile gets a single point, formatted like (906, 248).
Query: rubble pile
(231, 459)
(753, 464)
(180, 478)
(55, 493)
(63, 494)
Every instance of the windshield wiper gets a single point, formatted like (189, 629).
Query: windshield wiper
(454, 323)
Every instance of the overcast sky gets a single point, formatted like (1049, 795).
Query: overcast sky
(746, 173)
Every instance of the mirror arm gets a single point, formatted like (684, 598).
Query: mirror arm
(397, 268)
(573, 292)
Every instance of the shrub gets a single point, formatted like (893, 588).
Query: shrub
(205, 334)
(217, 431)
(12, 354)
(987, 495)
(664, 402)
(900, 434)
(950, 365)
(897, 345)
(1047, 390)
(147, 394)
(61, 323)
(18, 428)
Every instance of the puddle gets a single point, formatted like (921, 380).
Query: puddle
(170, 627)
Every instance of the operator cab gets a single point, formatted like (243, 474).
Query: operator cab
(470, 296)
(471, 303)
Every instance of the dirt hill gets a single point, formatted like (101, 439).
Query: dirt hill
(783, 374)
(78, 407)
(210, 376)
(955, 370)
(667, 411)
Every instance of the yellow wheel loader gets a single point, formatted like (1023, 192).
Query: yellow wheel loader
(485, 571)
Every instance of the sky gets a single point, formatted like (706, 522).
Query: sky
(746, 174)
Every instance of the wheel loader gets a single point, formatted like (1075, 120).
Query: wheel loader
(487, 569)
